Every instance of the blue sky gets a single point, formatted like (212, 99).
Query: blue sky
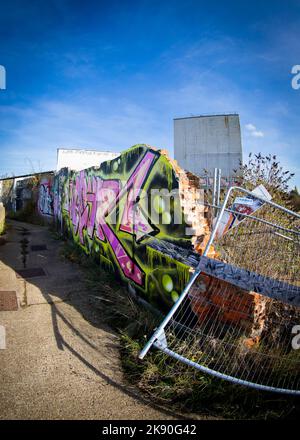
(108, 75)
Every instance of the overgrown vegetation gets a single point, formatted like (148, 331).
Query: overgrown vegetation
(164, 380)
(28, 214)
(295, 199)
(267, 170)
(2, 219)
(2, 228)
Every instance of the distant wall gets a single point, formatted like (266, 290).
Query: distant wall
(83, 208)
(80, 159)
(6, 193)
(28, 193)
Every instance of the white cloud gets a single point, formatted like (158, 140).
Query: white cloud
(250, 127)
(253, 131)
(257, 133)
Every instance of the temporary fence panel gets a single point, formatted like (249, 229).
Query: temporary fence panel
(238, 317)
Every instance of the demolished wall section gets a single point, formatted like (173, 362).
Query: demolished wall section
(99, 206)
(150, 191)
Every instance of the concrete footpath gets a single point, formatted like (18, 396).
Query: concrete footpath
(60, 361)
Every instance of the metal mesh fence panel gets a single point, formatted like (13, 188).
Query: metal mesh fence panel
(239, 316)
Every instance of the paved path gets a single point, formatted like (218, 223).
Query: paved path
(60, 361)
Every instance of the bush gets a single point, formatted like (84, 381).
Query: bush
(28, 214)
(266, 170)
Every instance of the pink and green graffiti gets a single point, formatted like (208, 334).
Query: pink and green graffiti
(108, 213)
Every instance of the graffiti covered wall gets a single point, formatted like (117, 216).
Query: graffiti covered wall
(45, 197)
(109, 214)
(28, 192)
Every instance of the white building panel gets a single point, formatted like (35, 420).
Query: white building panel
(208, 142)
(80, 159)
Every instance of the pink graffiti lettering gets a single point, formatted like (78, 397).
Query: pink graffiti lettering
(92, 200)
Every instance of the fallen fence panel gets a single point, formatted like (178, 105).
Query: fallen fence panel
(236, 317)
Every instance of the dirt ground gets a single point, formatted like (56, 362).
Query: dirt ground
(60, 361)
